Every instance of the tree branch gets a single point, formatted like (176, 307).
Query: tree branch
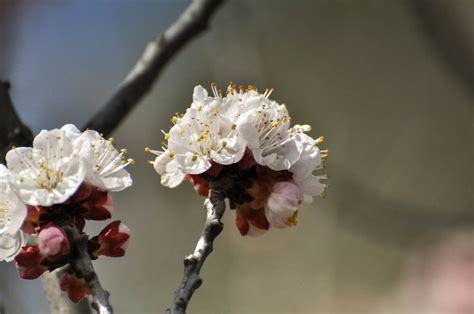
(12, 130)
(58, 301)
(157, 54)
(82, 264)
(215, 206)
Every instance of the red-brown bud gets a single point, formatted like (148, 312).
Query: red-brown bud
(200, 185)
(112, 240)
(81, 194)
(248, 219)
(99, 206)
(76, 288)
(28, 262)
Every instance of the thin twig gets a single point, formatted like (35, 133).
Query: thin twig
(193, 21)
(215, 206)
(82, 264)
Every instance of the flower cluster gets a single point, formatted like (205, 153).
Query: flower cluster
(246, 135)
(52, 188)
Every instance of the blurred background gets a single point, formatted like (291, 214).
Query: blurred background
(389, 83)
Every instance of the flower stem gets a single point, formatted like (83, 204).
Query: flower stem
(83, 267)
(215, 206)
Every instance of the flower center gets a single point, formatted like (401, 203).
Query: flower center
(48, 178)
(292, 220)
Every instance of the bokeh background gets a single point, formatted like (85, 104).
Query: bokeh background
(395, 103)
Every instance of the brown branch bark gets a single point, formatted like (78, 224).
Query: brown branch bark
(215, 206)
(82, 265)
(12, 130)
(193, 21)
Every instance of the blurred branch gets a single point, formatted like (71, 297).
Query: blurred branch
(158, 53)
(215, 206)
(12, 130)
(444, 29)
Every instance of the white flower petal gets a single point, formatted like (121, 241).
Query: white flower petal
(174, 176)
(10, 245)
(71, 131)
(307, 164)
(199, 95)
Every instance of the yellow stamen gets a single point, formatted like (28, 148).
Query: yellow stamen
(319, 140)
(292, 220)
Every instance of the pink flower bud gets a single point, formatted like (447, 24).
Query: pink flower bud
(99, 205)
(76, 288)
(53, 242)
(112, 240)
(28, 262)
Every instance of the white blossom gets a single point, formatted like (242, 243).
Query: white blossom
(265, 129)
(49, 172)
(199, 137)
(12, 214)
(220, 128)
(12, 209)
(104, 164)
(309, 162)
(168, 169)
